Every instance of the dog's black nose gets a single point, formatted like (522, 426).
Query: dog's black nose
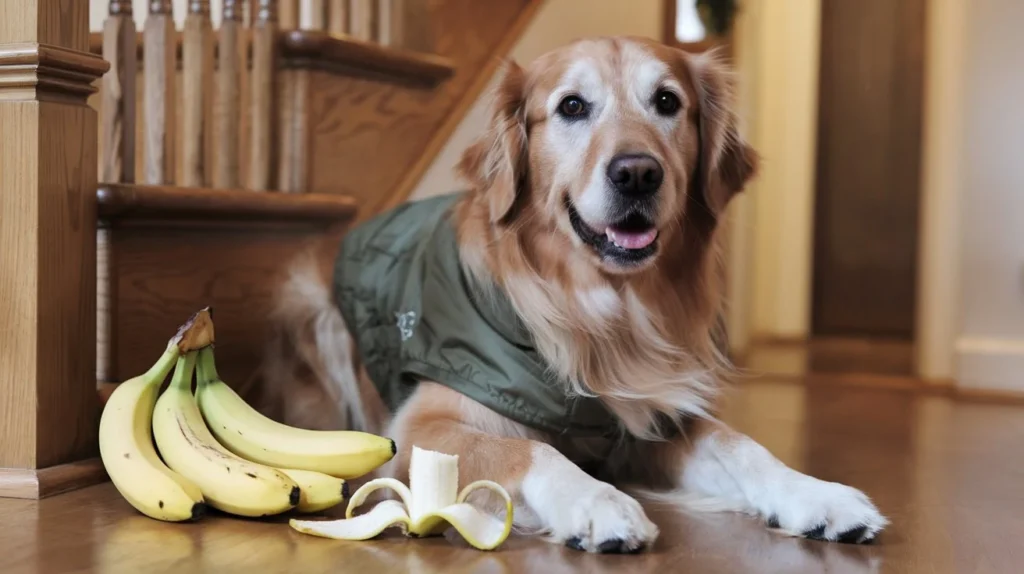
(635, 174)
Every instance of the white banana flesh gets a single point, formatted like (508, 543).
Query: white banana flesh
(249, 434)
(427, 507)
(228, 482)
(318, 491)
(128, 454)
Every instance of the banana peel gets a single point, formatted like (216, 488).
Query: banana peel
(429, 505)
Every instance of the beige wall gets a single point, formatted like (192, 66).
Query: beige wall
(938, 313)
(991, 342)
(780, 63)
(556, 23)
(971, 307)
(771, 224)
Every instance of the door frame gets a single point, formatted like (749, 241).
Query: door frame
(759, 300)
(939, 303)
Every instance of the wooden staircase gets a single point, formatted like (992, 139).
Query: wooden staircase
(221, 155)
(329, 120)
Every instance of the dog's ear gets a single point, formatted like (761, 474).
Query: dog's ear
(496, 164)
(727, 162)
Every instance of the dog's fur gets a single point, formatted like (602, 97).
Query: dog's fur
(638, 335)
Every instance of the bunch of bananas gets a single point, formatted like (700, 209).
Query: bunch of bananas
(216, 450)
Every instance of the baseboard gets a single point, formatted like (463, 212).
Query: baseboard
(43, 482)
(990, 365)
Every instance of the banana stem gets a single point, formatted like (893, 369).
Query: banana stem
(158, 372)
(206, 367)
(182, 379)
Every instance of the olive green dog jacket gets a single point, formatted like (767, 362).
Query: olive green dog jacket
(415, 316)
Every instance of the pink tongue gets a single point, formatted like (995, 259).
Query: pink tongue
(631, 240)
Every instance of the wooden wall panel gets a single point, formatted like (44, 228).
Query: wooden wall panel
(165, 274)
(178, 250)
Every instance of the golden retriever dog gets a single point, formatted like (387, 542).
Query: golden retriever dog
(586, 280)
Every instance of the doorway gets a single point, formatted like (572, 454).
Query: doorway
(867, 192)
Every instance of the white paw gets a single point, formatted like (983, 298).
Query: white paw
(804, 506)
(607, 521)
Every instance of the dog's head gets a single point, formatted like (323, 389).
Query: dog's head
(617, 144)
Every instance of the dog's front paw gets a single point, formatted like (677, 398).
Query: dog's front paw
(608, 521)
(820, 510)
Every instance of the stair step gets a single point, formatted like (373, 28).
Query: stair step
(119, 203)
(166, 252)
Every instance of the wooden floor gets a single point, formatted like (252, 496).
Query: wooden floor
(950, 476)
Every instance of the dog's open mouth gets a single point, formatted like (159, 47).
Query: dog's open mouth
(630, 240)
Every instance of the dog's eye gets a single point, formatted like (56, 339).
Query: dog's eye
(572, 107)
(666, 102)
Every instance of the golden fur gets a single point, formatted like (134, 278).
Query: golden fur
(655, 353)
(641, 338)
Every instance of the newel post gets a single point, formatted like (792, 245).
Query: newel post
(49, 410)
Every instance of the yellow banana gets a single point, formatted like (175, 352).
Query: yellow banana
(228, 483)
(251, 435)
(319, 491)
(126, 448)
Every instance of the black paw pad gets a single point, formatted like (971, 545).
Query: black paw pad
(772, 521)
(816, 533)
(576, 543)
(612, 546)
(857, 535)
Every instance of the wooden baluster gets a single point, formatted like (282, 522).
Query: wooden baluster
(264, 28)
(362, 16)
(229, 96)
(337, 17)
(197, 88)
(159, 69)
(312, 15)
(118, 166)
(287, 14)
(406, 24)
(389, 22)
(118, 99)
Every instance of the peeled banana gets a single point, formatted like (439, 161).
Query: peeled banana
(126, 448)
(228, 483)
(249, 434)
(427, 507)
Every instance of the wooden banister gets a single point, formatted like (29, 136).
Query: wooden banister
(144, 205)
(159, 123)
(322, 51)
(337, 54)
